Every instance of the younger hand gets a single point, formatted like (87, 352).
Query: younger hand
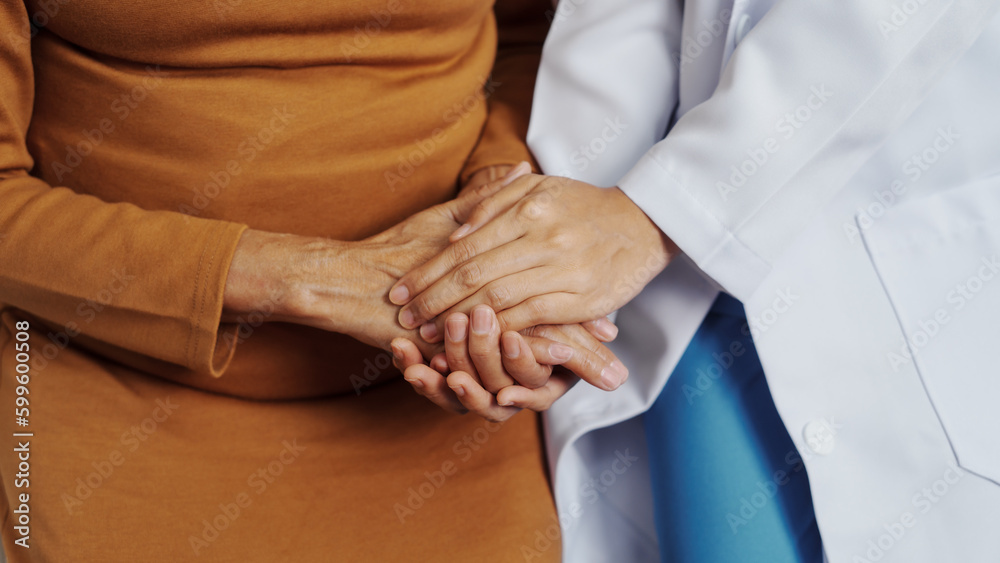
(542, 250)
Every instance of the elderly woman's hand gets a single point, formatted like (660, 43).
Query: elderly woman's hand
(342, 286)
(543, 250)
(334, 285)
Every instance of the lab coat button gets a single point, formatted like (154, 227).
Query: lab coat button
(819, 437)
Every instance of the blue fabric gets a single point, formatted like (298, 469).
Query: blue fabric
(728, 483)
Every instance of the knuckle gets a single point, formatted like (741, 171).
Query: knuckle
(548, 332)
(422, 309)
(498, 296)
(539, 308)
(561, 240)
(588, 364)
(469, 275)
(484, 208)
(463, 251)
(529, 209)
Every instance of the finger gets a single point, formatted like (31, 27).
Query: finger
(519, 361)
(602, 370)
(496, 234)
(456, 346)
(433, 386)
(440, 364)
(497, 202)
(602, 329)
(484, 349)
(405, 353)
(473, 193)
(502, 294)
(556, 308)
(501, 256)
(478, 400)
(538, 400)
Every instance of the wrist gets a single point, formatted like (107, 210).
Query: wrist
(650, 234)
(273, 273)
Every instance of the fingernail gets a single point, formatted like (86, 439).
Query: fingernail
(459, 390)
(396, 352)
(429, 331)
(416, 383)
(561, 352)
(399, 295)
(511, 346)
(608, 330)
(406, 319)
(481, 321)
(505, 403)
(461, 231)
(455, 329)
(614, 375)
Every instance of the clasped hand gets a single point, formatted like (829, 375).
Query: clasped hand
(536, 257)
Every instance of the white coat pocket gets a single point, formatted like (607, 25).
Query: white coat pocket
(939, 260)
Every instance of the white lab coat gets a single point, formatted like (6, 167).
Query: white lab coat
(836, 169)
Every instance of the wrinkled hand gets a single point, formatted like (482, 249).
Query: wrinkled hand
(341, 286)
(542, 250)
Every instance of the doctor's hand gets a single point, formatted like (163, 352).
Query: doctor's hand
(542, 250)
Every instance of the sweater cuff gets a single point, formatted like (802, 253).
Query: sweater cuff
(211, 344)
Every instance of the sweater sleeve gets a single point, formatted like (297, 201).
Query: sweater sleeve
(145, 282)
(521, 27)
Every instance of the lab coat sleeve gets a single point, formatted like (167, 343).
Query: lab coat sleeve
(807, 97)
(607, 86)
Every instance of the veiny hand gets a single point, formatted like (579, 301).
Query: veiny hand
(539, 360)
(341, 286)
(542, 250)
